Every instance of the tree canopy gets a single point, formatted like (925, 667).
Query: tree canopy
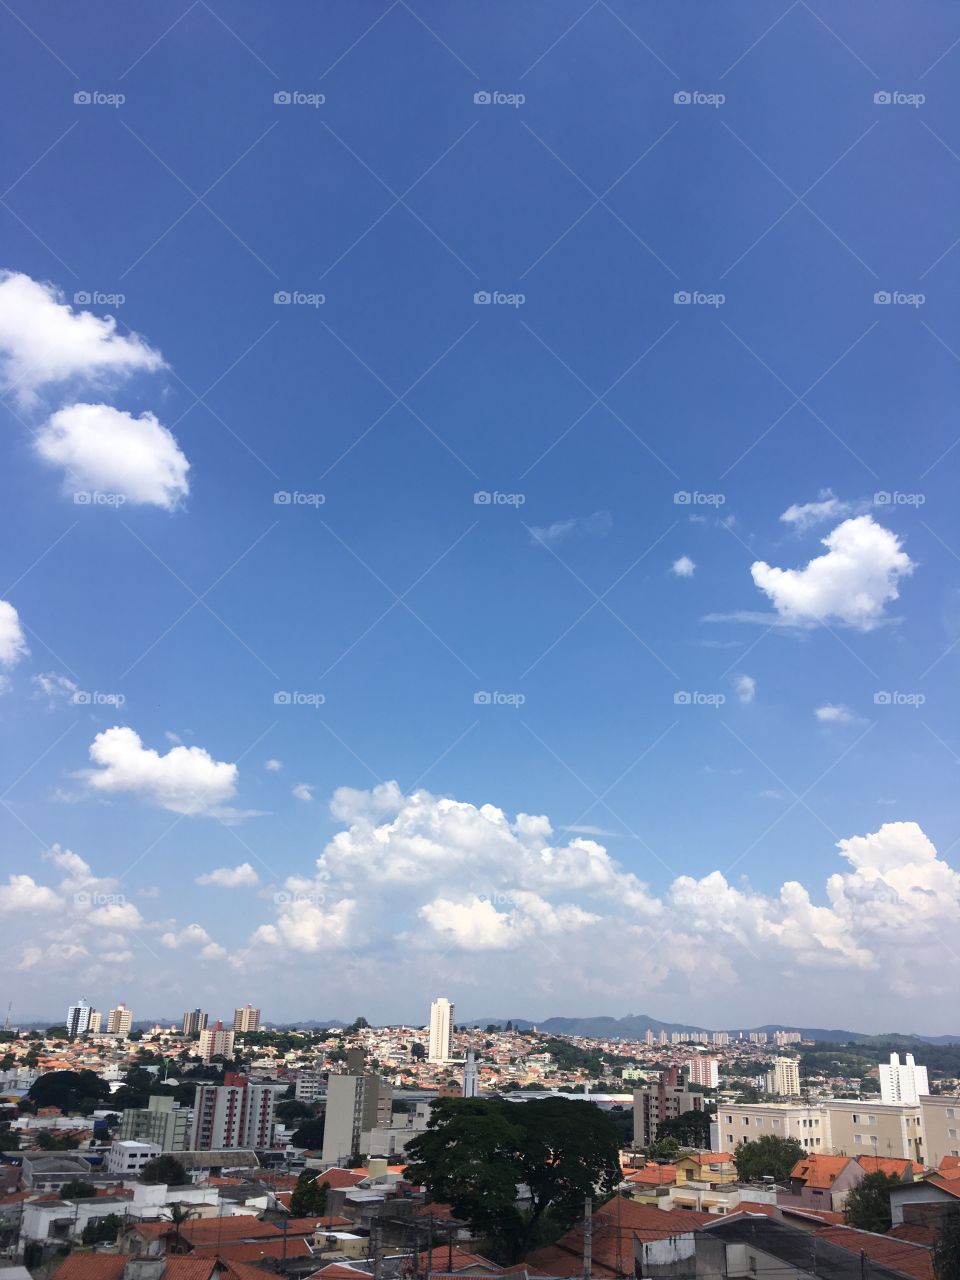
(767, 1157)
(309, 1198)
(867, 1206)
(165, 1168)
(476, 1151)
(309, 1135)
(81, 1091)
(691, 1129)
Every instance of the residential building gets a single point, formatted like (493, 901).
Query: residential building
(820, 1181)
(661, 1101)
(720, 1037)
(96, 1022)
(440, 1044)
(832, 1127)
(246, 1019)
(713, 1167)
(126, 1158)
(784, 1080)
(309, 1086)
(119, 1021)
(356, 1105)
(78, 1017)
(941, 1127)
(216, 1041)
(902, 1082)
(161, 1121)
(235, 1114)
(194, 1022)
(703, 1071)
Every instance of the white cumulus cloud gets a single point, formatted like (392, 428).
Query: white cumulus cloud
(836, 713)
(106, 449)
(851, 584)
(13, 644)
(804, 515)
(746, 688)
(186, 780)
(22, 893)
(43, 340)
(303, 791)
(683, 567)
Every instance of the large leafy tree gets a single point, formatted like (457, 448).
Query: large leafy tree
(309, 1198)
(69, 1090)
(767, 1157)
(166, 1169)
(310, 1134)
(477, 1151)
(691, 1129)
(867, 1206)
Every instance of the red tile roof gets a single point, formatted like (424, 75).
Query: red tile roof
(254, 1250)
(915, 1232)
(912, 1259)
(337, 1271)
(819, 1171)
(91, 1266)
(338, 1178)
(903, 1169)
(615, 1226)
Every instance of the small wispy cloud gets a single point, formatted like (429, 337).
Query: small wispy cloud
(804, 515)
(597, 525)
(837, 713)
(303, 791)
(746, 688)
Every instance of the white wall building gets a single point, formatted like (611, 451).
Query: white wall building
(902, 1083)
(126, 1158)
(119, 1021)
(440, 1045)
(704, 1071)
(78, 1017)
(784, 1079)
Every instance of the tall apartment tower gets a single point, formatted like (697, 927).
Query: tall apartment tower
(784, 1079)
(355, 1105)
(78, 1017)
(440, 1046)
(216, 1041)
(119, 1021)
(668, 1098)
(246, 1019)
(902, 1083)
(194, 1021)
(704, 1071)
(235, 1114)
(96, 1022)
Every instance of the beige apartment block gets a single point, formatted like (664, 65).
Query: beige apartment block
(745, 1122)
(941, 1127)
(877, 1129)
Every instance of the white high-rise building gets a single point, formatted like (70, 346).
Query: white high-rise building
(216, 1041)
(784, 1080)
(246, 1019)
(440, 1045)
(78, 1017)
(902, 1083)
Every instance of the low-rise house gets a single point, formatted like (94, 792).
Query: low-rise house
(705, 1166)
(821, 1182)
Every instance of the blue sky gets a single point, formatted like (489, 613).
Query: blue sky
(657, 694)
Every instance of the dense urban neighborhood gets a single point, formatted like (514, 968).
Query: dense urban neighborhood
(229, 1149)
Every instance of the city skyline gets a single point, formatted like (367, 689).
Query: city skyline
(481, 502)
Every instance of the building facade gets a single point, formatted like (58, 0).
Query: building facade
(440, 1040)
(661, 1101)
(236, 1114)
(246, 1019)
(119, 1021)
(704, 1071)
(356, 1105)
(161, 1121)
(902, 1082)
(194, 1021)
(78, 1017)
(784, 1080)
(216, 1041)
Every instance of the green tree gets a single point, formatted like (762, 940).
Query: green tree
(165, 1168)
(309, 1198)
(102, 1230)
(80, 1091)
(77, 1189)
(867, 1206)
(309, 1135)
(48, 1142)
(691, 1129)
(946, 1250)
(476, 1151)
(292, 1109)
(665, 1148)
(767, 1157)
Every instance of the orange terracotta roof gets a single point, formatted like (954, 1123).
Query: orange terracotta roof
(707, 1157)
(455, 1259)
(915, 1232)
(307, 1226)
(189, 1268)
(912, 1259)
(253, 1250)
(337, 1178)
(337, 1271)
(888, 1164)
(819, 1171)
(91, 1266)
(654, 1175)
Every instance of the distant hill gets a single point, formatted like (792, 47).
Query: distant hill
(635, 1026)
